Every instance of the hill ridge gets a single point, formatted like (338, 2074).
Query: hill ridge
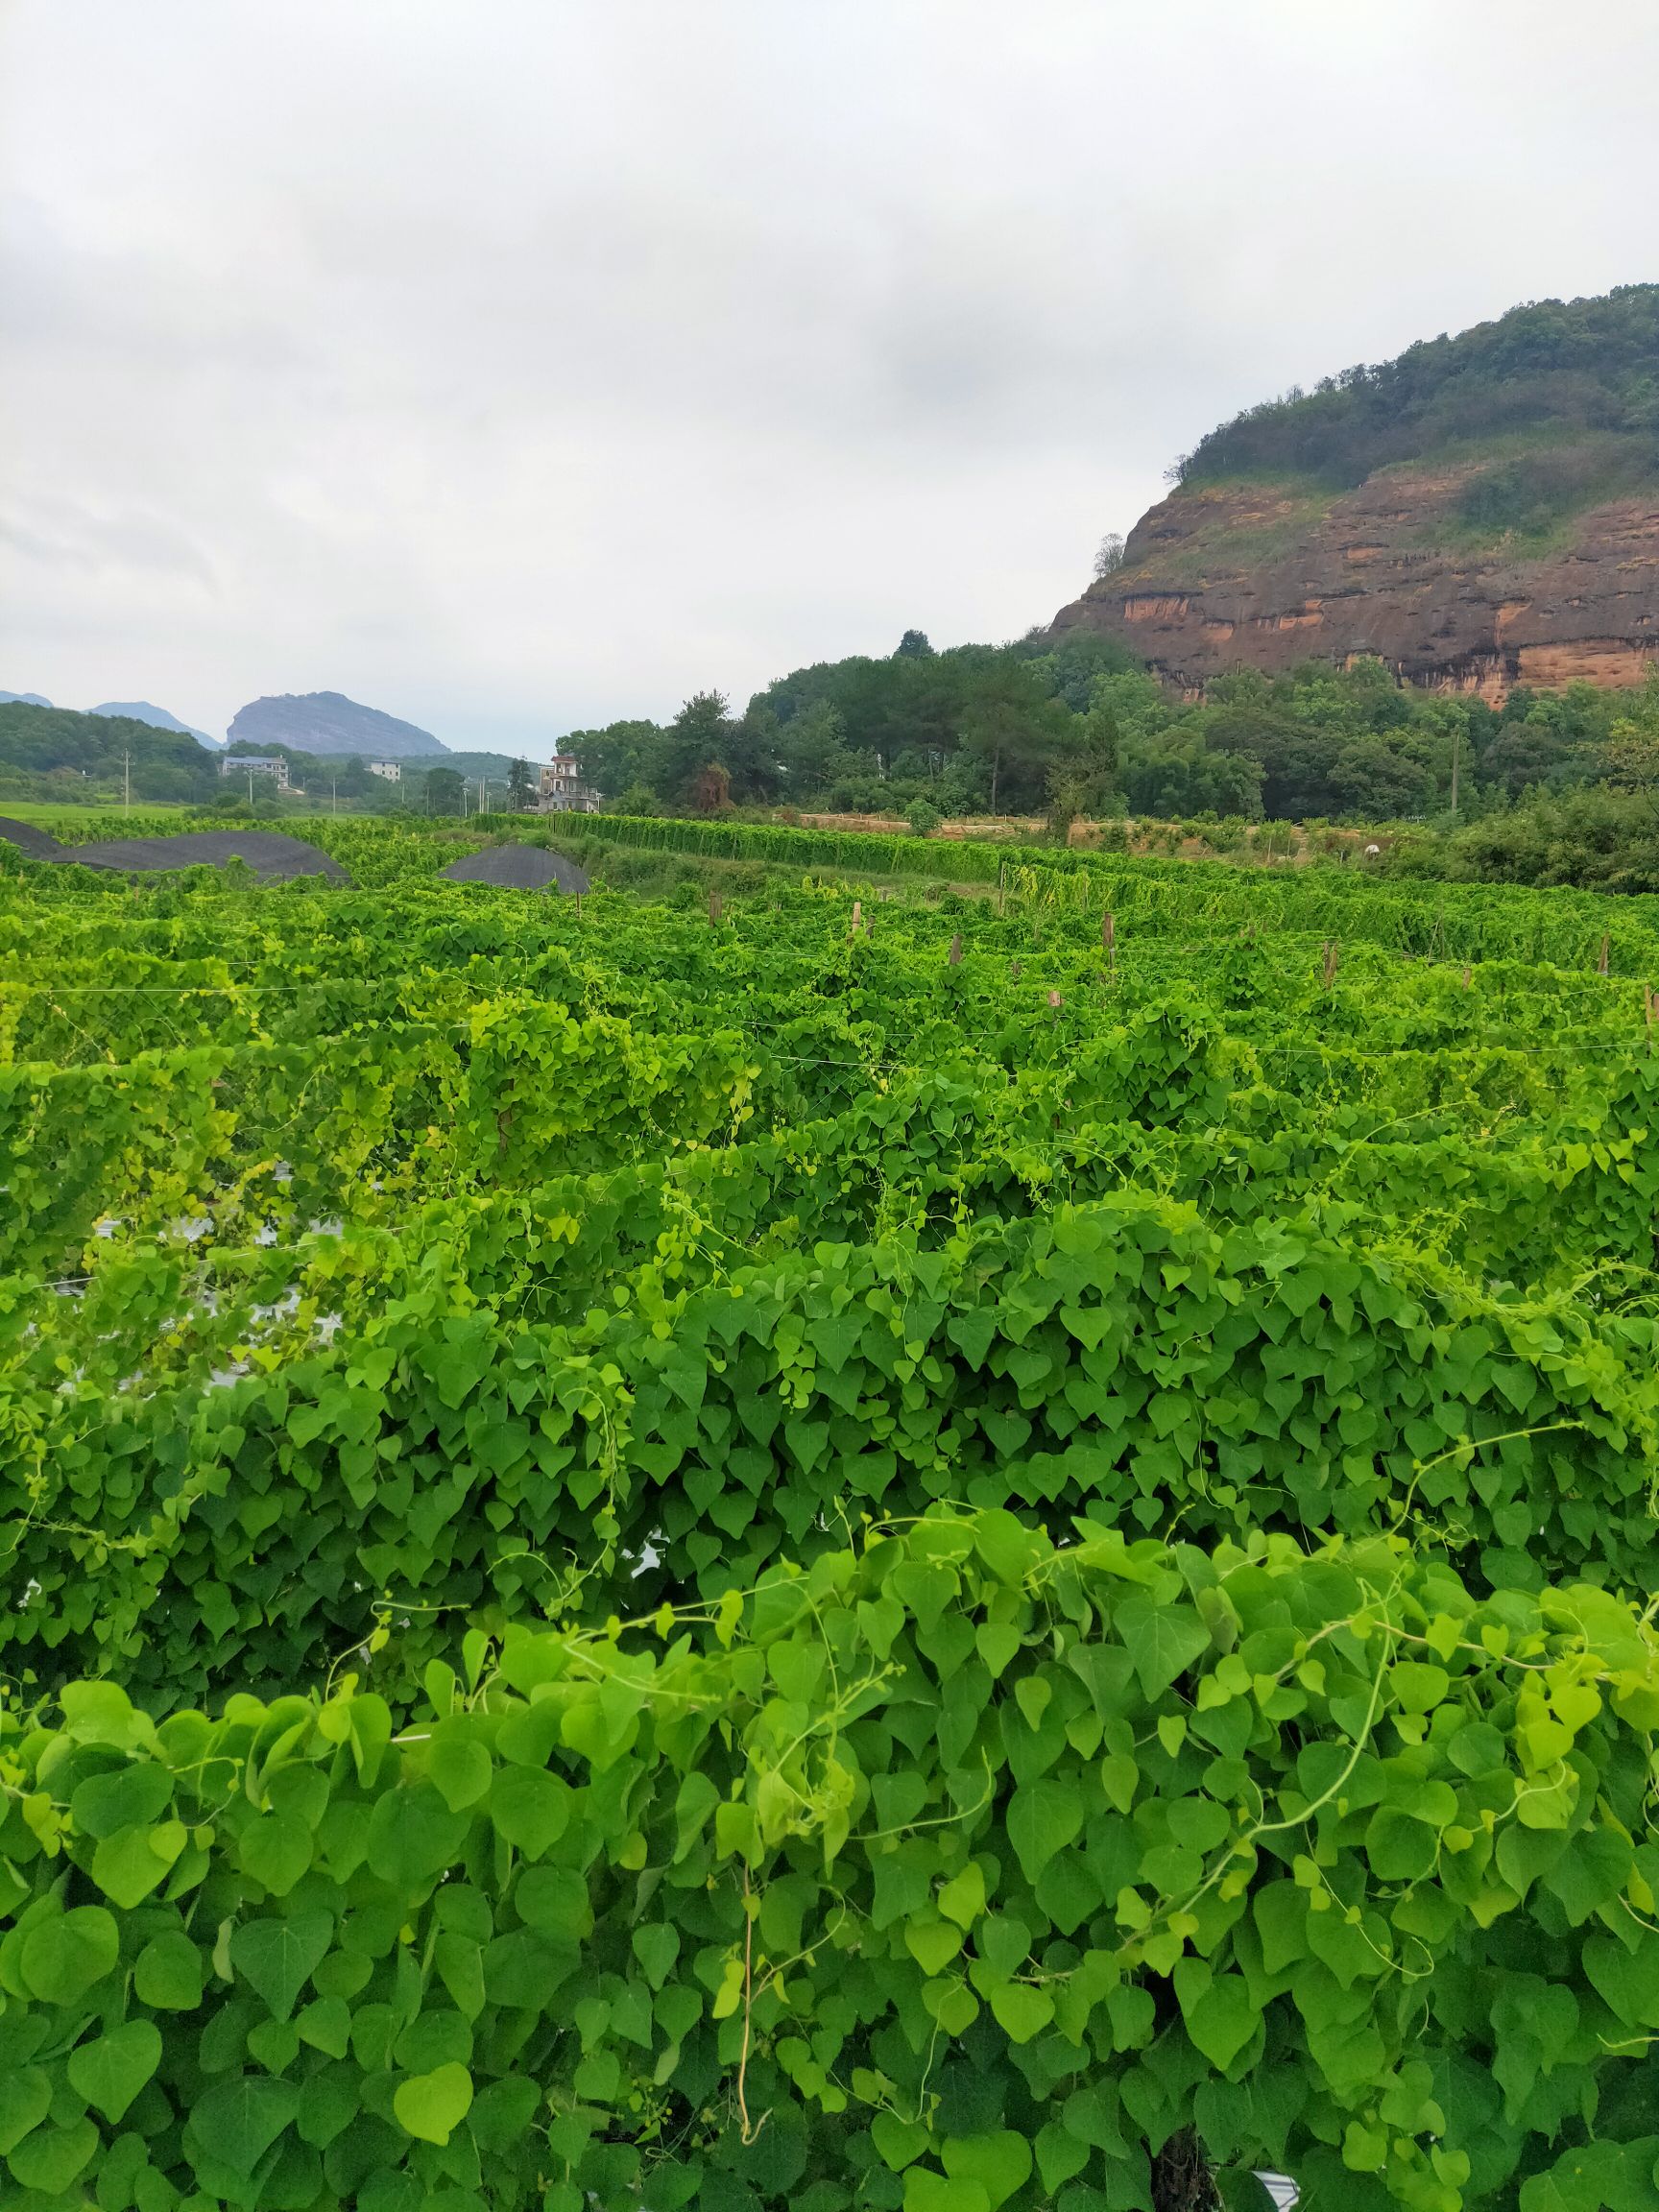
(1482, 513)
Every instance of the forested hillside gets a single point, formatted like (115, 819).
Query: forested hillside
(1589, 366)
(53, 753)
(1482, 514)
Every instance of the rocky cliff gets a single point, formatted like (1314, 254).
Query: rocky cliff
(1258, 576)
(1482, 513)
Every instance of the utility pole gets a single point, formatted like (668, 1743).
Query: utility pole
(250, 790)
(1457, 734)
(126, 783)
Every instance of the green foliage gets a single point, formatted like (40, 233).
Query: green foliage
(949, 1871)
(49, 752)
(1584, 365)
(1074, 726)
(442, 791)
(661, 1556)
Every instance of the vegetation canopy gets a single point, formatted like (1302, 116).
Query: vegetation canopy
(1571, 367)
(789, 1537)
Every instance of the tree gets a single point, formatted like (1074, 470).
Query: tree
(812, 749)
(519, 788)
(1629, 761)
(1084, 781)
(913, 646)
(1371, 779)
(703, 738)
(1109, 554)
(619, 756)
(1525, 756)
(1068, 665)
(1175, 776)
(1628, 758)
(710, 790)
(446, 792)
(1014, 729)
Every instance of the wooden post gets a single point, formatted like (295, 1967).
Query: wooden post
(1651, 1002)
(715, 905)
(1601, 963)
(1333, 953)
(1465, 979)
(1108, 943)
(1001, 887)
(1014, 972)
(858, 917)
(954, 956)
(1055, 1001)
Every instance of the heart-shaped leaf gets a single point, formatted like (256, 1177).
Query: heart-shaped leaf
(433, 2105)
(933, 1943)
(278, 1956)
(1219, 2013)
(63, 1956)
(962, 1899)
(237, 2121)
(25, 2100)
(926, 2191)
(1043, 1817)
(999, 2163)
(111, 2071)
(1020, 2010)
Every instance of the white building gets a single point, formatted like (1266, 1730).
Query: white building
(256, 764)
(563, 790)
(391, 770)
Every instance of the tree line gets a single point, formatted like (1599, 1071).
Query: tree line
(1075, 726)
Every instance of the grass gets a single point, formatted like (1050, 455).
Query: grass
(1223, 548)
(45, 813)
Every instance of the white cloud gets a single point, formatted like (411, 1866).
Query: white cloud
(518, 365)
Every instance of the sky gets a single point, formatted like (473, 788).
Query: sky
(517, 366)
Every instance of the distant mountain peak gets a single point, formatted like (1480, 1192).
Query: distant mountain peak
(23, 698)
(158, 717)
(328, 722)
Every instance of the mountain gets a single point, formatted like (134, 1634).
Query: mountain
(51, 752)
(23, 698)
(1480, 512)
(326, 722)
(141, 710)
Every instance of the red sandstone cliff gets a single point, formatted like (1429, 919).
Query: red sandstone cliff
(1255, 575)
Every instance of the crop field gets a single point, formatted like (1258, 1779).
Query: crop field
(785, 1538)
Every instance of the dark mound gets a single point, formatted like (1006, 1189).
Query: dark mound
(36, 842)
(517, 868)
(271, 856)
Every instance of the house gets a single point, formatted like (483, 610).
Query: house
(270, 764)
(562, 789)
(391, 770)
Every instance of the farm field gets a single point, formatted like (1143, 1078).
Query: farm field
(782, 1537)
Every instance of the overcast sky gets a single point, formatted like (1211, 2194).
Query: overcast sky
(518, 364)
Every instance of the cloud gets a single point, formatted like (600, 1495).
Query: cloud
(521, 367)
